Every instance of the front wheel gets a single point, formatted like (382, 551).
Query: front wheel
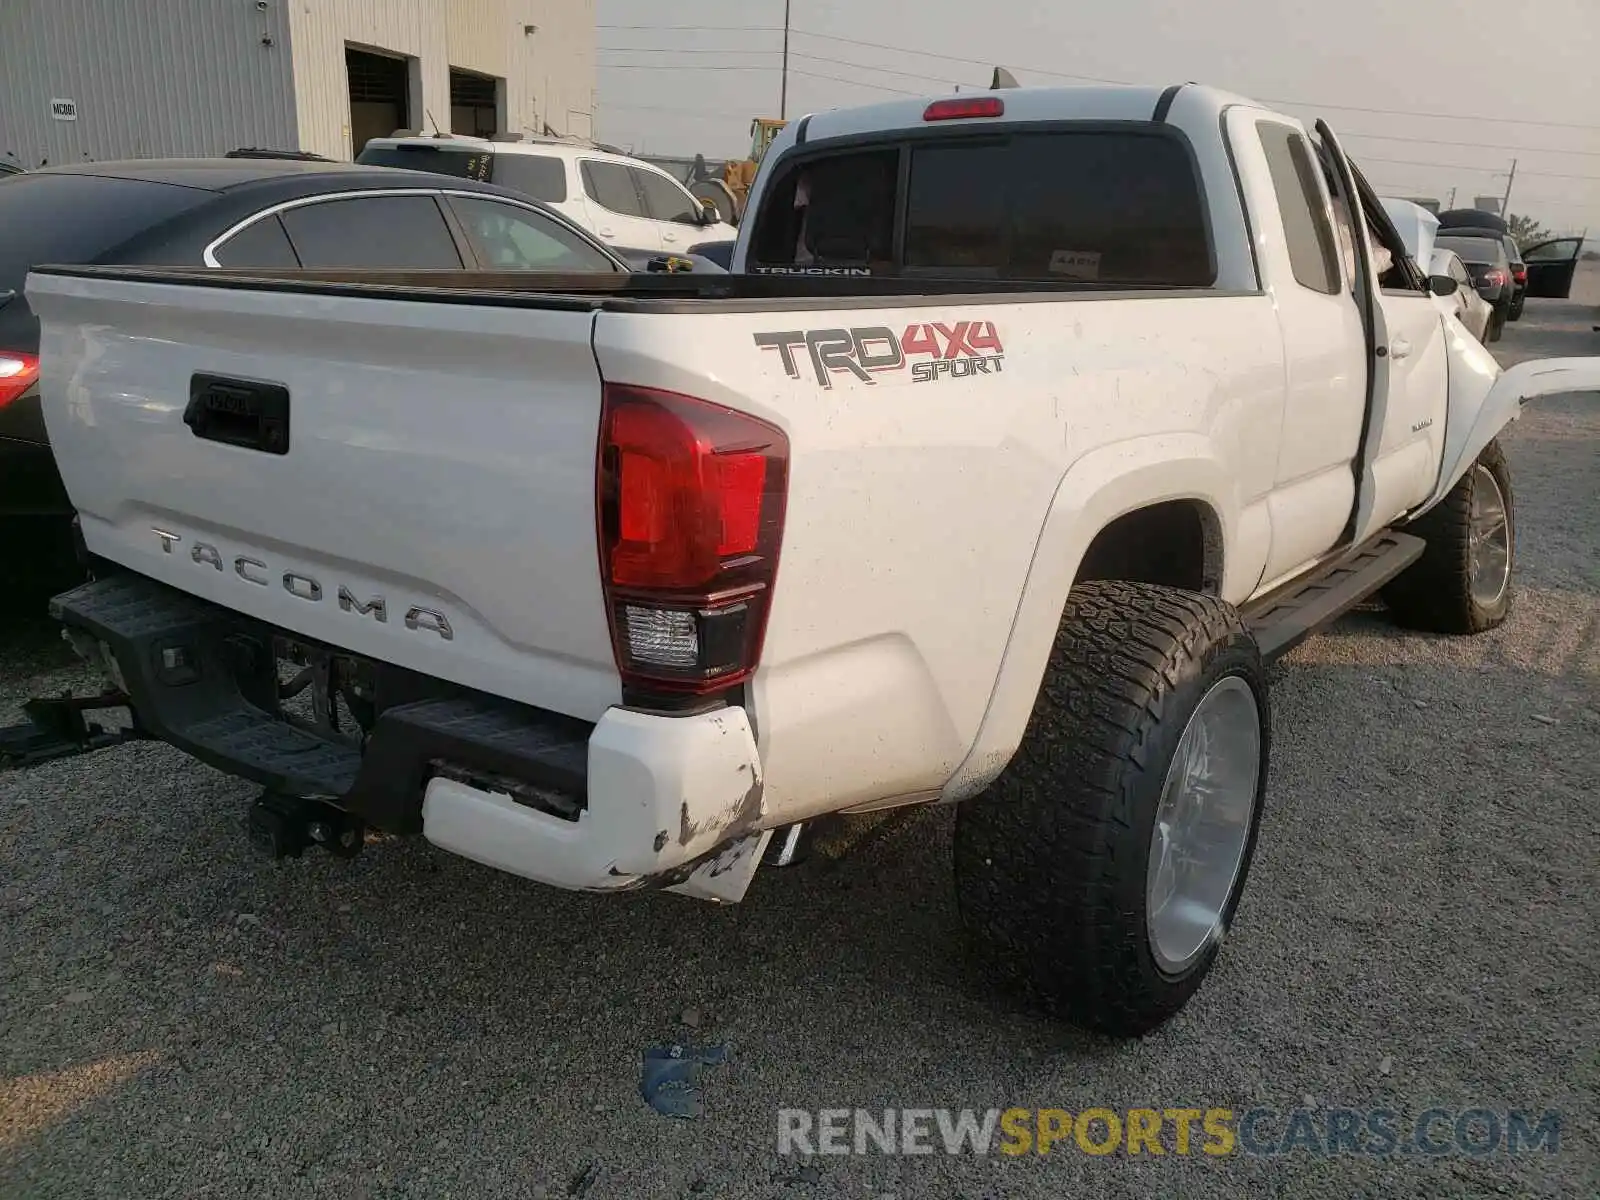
(1462, 582)
(1101, 871)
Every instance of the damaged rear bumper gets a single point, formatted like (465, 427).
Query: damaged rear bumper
(634, 801)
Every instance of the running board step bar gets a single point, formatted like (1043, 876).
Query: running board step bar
(1283, 619)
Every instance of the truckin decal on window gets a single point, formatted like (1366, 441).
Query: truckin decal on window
(952, 351)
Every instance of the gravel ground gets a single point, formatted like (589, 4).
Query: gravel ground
(182, 1019)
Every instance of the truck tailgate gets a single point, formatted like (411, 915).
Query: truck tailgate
(429, 502)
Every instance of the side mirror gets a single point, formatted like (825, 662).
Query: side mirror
(1442, 285)
(708, 211)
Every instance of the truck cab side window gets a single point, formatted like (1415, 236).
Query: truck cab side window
(1307, 230)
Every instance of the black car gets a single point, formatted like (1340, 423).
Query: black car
(235, 213)
(1490, 267)
(1518, 269)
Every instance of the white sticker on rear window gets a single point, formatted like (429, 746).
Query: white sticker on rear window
(1076, 264)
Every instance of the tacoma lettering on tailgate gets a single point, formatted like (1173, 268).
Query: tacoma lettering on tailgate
(928, 351)
(306, 587)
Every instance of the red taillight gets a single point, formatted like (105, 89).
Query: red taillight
(1520, 274)
(18, 372)
(1495, 278)
(962, 107)
(690, 504)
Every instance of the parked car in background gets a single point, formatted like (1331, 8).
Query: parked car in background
(1517, 267)
(623, 201)
(1465, 304)
(237, 213)
(1490, 267)
(1551, 266)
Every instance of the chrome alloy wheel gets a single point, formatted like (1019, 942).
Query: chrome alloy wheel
(1488, 539)
(1203, 825)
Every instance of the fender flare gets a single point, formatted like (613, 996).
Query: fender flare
(1105, 484)
(1483, 402)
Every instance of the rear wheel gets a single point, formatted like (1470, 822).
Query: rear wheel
(1462, 582)
(1101, 871)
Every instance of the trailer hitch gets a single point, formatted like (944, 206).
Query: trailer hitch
(57, 727)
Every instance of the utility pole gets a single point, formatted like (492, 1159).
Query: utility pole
(783, 94)
(1452, 201)
(1505, 205)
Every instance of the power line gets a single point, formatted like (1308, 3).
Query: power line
(702, 28)
(1392, 112)
(1406, 162)
(684, 50)
(844, 62)
(1401, 112)
(1100, 79)
(828, 37)
(1388, 137)
(704, 114)
(858, 83)
(683, 67)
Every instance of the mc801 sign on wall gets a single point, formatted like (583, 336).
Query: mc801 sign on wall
(64, 110)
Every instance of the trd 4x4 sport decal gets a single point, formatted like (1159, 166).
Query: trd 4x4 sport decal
(946, 351)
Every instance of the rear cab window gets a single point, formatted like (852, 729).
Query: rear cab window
(1101, 206)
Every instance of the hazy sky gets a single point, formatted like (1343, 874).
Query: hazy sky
(694, 72)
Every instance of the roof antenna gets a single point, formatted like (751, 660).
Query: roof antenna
(432, 122)
(1003, 79)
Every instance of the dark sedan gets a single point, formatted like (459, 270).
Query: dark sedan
(235, 213)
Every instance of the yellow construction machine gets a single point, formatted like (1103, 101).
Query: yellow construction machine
(732, 189)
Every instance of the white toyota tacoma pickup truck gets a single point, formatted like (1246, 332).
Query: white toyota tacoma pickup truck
(1032, 424)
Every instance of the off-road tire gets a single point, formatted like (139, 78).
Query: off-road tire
(1435, 592)
(1051, 859)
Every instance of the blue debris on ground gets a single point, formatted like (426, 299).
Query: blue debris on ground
(671, 1076)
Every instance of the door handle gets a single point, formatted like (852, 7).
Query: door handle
(607, 232)
(1400, 348)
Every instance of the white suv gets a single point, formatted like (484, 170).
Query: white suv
(624, 202)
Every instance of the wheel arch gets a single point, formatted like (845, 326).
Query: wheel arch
(1166, 483)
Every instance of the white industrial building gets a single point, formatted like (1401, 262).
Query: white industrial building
(103, 79)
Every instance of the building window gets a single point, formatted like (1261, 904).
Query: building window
(475, 103)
